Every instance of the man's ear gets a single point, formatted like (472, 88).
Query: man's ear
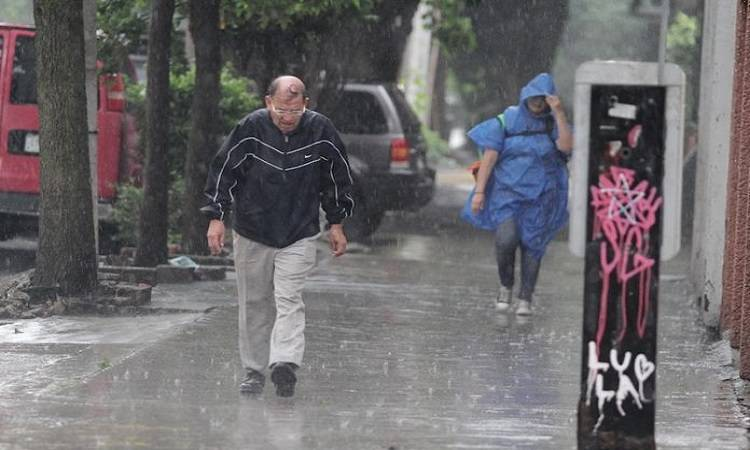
(267, 99)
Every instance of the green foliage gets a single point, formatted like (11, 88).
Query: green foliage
(238, 98)
(452, 28)
(683, 34)
(683, 48)
(121, 27)
(284, 14)
(127, 210)
(176, 197)
(122, 30)
(437, 147)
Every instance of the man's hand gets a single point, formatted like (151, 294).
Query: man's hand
(554, 102)
(215, 236)
(477, 202)
(337, 239)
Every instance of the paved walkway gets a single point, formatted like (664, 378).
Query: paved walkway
(404, 351)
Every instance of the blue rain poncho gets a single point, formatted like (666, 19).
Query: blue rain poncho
(529, 182)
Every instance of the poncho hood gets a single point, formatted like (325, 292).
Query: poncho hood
(542, 84)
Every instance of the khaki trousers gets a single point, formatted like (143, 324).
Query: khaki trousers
(272, 314)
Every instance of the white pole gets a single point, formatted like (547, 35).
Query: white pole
(663, 29)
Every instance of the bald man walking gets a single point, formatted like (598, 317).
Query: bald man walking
(274, 171)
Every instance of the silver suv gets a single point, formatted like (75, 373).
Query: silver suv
(387, 153)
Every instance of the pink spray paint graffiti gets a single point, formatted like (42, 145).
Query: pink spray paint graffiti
(624, 214)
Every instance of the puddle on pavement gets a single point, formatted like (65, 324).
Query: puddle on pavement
(92, 330)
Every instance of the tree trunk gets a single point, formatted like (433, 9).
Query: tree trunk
(438, 122)
(153, 222)
(67, 251)
(383, 60)
(204, 118)
(515, 41)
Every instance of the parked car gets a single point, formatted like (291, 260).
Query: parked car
(19, 138)
(387, 153)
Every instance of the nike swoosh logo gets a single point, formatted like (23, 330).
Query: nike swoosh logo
(308, 156)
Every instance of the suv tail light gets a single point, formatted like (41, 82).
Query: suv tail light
(114, 86)
(400, 151)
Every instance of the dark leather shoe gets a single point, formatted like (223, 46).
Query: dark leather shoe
(253, 382)
(284, 378)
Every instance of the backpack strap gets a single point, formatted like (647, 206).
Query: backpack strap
(501, 119)
(549, 126)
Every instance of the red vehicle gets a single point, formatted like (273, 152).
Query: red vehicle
(19, 138)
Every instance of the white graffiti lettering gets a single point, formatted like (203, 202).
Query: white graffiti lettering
(642, 367)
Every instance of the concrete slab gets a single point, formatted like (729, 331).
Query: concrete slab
(132, 274)
(166, 273)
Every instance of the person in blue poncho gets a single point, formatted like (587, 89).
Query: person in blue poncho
(521, 188)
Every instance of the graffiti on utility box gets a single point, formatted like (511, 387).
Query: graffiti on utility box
(625, 202)
(625, 388)
(626, 179)
(624, 214)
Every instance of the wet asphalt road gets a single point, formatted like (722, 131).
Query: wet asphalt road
(404, 351)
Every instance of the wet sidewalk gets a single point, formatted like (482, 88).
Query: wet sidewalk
(404, 351)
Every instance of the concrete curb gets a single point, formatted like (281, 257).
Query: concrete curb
(121, 268)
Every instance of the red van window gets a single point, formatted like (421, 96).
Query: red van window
(23, 142)
(23, 83)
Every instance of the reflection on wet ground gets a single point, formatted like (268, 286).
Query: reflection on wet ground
(404, 351)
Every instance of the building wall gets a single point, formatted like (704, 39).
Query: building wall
(736, 295)
(714, 129)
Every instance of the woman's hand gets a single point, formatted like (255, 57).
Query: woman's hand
(554, 102)
(489, 158)
(477, 202)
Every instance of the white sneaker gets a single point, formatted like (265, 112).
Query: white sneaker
(504, 296)
(524, 308)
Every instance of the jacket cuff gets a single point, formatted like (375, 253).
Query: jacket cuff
(212, 212)
(334, 220)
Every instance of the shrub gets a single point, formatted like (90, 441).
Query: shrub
(238, 98)
(437, 147)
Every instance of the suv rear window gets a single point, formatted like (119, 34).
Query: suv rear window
(23, 83)
(358, 113)
(409, 120)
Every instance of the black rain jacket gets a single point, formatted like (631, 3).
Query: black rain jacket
(276, 183)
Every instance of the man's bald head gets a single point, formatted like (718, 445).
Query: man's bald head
(286, 102)
(287, 87)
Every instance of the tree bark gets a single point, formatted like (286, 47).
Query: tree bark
(438, 122)
(383, 60)
(204, 118)
(66, 256)
(153, 223)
